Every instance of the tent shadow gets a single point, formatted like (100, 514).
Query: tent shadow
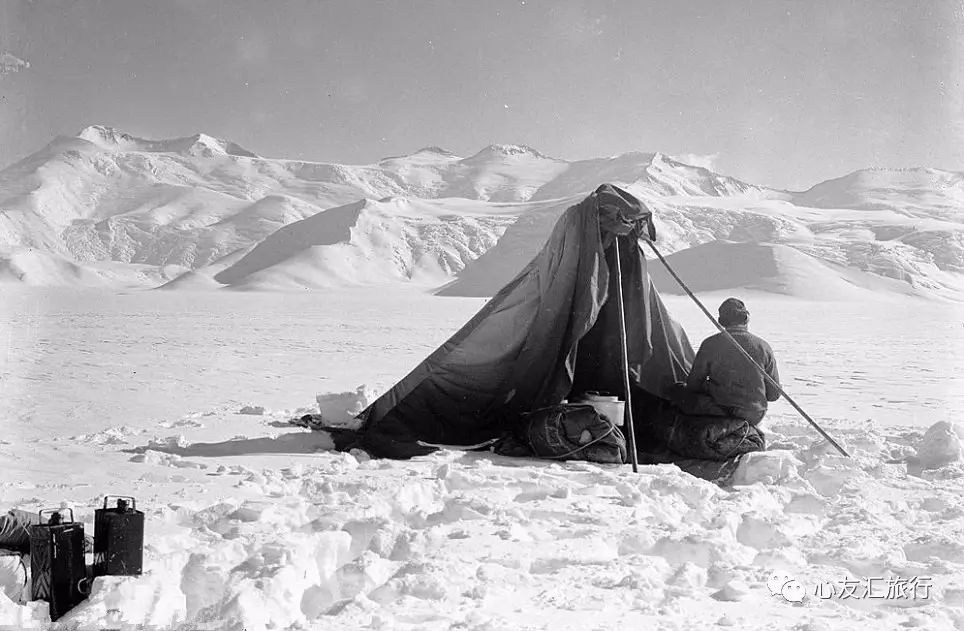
(290, 443)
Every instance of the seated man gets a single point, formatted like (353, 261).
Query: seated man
(723, 382)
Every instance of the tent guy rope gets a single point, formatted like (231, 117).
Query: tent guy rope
(745, 354)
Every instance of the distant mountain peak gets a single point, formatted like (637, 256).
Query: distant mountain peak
(902, 175)
(219, 145)
(429, 151)
(509, 150)
(102, 134)
(661, 158)
(111, 138)
(435, 149)
(487, 153)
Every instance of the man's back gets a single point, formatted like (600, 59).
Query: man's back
(723, 372)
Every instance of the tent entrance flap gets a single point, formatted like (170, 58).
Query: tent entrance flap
(599, 355)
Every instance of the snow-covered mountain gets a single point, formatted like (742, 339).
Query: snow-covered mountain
(800, 251)
(105, 207)
(371, 242)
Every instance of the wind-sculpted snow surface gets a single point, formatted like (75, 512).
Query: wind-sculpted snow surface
(253, 523)
(475, 541)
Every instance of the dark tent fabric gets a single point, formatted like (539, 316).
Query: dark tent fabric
(550, 333)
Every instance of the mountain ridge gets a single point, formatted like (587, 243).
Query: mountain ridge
(106, 199)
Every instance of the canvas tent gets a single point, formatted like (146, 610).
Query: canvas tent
(550, 333)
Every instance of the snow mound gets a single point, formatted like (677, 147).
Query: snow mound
(942, 444)
(766, 467)
(30, 615)
(340, 408)
(13, 578)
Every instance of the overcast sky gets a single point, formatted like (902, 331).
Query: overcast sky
(785, 94)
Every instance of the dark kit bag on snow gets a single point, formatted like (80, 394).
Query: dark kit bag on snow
(712, 437)
(58, 573)
(574, 431)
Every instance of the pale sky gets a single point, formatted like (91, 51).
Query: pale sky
(784, 94)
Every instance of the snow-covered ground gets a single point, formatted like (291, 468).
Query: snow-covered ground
(255, 524)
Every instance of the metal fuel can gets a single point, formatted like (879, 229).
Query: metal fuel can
(119, 538)
(58, 573)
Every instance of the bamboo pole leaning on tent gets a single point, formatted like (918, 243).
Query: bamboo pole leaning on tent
(766, 376)
(628, 404)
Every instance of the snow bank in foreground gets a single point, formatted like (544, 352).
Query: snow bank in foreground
(240, 539)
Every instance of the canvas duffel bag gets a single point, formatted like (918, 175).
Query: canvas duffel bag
(713, 437)
(574, 431)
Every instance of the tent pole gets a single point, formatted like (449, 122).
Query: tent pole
(745, 354)
(628, 410)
